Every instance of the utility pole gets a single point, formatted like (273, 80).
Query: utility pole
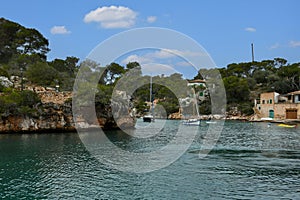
(252, 49)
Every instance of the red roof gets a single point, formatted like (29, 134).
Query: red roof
(196, 81)
(295, 92)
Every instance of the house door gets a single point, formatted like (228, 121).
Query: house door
(291, 113)
(271, 113)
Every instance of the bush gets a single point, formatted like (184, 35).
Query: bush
(3, 73)
(41, 74)
(246, 108)
(18, 103)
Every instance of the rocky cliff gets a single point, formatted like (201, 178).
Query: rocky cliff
(54, 114)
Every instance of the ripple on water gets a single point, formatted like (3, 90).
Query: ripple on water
(249, 161)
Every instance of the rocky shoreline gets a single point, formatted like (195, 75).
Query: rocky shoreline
(54, 114)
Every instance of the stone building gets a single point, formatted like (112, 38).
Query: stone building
(200, 86)
(275, 106)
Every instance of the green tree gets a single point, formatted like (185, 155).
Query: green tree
(132, 65)
(3, 72)
(16, 39)
(291, 74)
(69, 65)
(42, 74)
(112, 72)
(18, 103)
(237, 89)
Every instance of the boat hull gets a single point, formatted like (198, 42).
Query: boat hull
(192, 122)
(148, 118)
(287, 125)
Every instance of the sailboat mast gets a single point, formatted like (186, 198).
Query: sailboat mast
(151, 107)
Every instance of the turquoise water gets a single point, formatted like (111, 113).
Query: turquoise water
(249, 161)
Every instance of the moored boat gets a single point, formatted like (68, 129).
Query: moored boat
(192, 122)
(287, 125)
(148, 118)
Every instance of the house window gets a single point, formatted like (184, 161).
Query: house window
(263, 101)
(270, 101)
(258, 101)
(298, 97)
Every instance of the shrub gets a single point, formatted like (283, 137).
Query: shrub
(246, 108)
(18, 103)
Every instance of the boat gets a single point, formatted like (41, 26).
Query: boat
(149, 117)
(192, 122)
(211, 122)
(266, 119)
(287, 125)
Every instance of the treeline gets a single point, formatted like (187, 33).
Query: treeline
(23, 52)
(114, 77)
(245, 81)
(23, 60)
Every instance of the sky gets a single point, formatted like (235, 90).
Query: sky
(225, 29)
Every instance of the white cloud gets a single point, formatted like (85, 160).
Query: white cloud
(275, 46)
(171, 53)
(294, 44)
(59, 30)
(136, 58)
(184, 64)
(166, 61)
(151, 19)
(159, 55)
(250, 29)
(157, 69)
(112, 17)
(186, 53)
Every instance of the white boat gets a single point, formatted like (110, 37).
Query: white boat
(150, 117)
(266, 119)
(192, 122)
(211, 122)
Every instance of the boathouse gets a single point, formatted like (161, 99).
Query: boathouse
(275, 106)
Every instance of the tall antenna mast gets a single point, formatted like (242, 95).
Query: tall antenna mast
(151, 89)
(252, 49)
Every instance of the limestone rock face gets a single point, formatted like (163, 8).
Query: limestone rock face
(5, 82)
(55, 115)
(51, 117)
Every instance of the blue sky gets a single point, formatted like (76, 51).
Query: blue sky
(225, 29)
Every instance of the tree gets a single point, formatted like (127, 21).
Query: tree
(112, 72)
(3, 72)
(237, 89)
(14, 102)
(69, 65)
(132, 65)
(42, 74)
(279, 62)
(16, 39)
(291, 74)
